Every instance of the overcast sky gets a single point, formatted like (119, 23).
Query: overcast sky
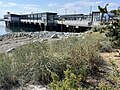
(59, 6)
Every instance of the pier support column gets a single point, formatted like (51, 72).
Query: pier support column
(42, 26)
(7, 24)
(71, 29)
(37, 27)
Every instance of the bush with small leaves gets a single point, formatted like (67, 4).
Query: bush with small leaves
(34, 62)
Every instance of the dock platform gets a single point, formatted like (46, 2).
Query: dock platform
(52, 22)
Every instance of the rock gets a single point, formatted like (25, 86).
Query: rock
(16, 41)
(7, 42)
(43, 40)
(1, 39)
(34, 41)
(15, 36)
(35, 87)
(66, 34)
(32, 87)
(10, 50)
(54, 36)
(76, 34)
(19, 35)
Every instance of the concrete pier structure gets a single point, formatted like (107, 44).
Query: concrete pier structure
(52, 22)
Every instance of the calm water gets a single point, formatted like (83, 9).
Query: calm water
(2, 28)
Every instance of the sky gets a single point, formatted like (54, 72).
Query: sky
(59, 6)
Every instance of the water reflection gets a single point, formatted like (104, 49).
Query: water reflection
(20, 29)
(4, 30)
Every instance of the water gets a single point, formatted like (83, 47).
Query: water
(2, 28)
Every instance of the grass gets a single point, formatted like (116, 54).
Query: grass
(35, 62)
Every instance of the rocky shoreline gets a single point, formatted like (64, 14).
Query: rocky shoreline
(12, 40)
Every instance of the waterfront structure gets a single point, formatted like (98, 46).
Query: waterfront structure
(53, 22)
(90, 20)
(95, 16)
(47, 18)
(12, 17)
(72, 17)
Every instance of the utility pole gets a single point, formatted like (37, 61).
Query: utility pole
(91, 15)
(90, 10)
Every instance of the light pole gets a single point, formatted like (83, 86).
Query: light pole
(90, 10)
(91, 16)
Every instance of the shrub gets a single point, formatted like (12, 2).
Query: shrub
(114, 32)
(69, 82)
(34, 62)
(106, 46)
(7, 73)
(100, 29)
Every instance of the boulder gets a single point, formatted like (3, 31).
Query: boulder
(1, 39)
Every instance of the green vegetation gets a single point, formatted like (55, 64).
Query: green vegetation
(103, 11)
(68, 64)
(114, 33)
(116, 12)
(112, 29)
(74, 63)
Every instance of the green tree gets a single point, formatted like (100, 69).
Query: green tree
(115, 12)
(103, 11)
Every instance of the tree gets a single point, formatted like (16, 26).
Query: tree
(116, 12)
(103, 11)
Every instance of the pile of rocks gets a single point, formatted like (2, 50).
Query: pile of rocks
(10, 41)
(15, 35)
(42, 34)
